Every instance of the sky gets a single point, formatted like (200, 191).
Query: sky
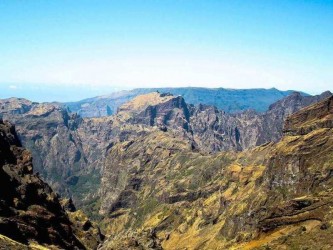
(69, 50)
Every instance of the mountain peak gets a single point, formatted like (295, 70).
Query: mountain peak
(156, 109)
(141, 102)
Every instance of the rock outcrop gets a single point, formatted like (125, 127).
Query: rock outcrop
(30, 211)
(50, 134)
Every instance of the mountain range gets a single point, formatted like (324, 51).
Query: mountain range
(69, 151)
(229, 100)
(164, 173)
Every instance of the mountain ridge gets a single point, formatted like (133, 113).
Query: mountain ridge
(170, 171)
(230, 100)
(69, 151)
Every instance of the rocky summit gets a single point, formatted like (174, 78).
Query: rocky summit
(164, 174)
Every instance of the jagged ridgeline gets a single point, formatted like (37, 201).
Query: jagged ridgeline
(165, 174)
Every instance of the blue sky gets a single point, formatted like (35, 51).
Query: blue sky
(102, 45)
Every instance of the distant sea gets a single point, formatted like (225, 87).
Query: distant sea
(40, 92)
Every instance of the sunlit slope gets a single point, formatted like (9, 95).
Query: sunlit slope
(161, 192)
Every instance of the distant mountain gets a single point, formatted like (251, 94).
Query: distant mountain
(229, 100)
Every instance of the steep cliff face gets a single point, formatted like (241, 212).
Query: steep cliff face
(164, 194)
(30, 212)
(299, 175)
(50, 133)
(155, 109)
(69, 152)
(210, 129)
(215, 130)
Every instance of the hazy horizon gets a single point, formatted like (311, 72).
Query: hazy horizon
(77, 92)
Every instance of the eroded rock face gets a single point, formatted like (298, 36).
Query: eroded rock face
(277, 195)
(50, 133)
(69, 151)
(29, 209)
(210, 129)
(162, 180)
(157, 109)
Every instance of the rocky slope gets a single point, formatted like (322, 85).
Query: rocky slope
(30, 212)
(230, 100)
(49, 132)
(69, 151)
(165, 181)
(160, 193)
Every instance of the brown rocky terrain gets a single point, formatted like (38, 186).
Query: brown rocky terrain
(48, 131)
(69, 151)
(215, 130)
(160, 193)
(30, 212)
(167, 175)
